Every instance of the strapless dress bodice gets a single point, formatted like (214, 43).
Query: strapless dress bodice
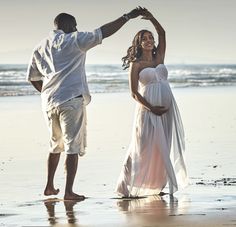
(154, 86)
(153, 75)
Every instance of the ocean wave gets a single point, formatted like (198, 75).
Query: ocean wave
(111, 78)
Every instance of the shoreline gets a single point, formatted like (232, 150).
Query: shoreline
(184, 88)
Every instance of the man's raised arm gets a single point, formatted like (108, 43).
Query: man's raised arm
(112, 27)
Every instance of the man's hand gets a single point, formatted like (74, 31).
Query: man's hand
(159, 110)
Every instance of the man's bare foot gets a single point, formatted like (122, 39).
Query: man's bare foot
(51, 191)
(73, 196)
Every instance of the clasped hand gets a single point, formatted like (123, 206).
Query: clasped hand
(159, 110)
(140, 11)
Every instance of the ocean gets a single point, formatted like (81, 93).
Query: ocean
(112, 78)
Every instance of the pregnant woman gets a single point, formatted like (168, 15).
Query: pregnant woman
(155, 155)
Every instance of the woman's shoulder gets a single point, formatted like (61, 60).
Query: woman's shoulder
(135, 64)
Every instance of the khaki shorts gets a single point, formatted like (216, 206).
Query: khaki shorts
(67, 127)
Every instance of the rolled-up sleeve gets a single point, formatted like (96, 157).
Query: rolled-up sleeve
(33, 73)
(87, 40)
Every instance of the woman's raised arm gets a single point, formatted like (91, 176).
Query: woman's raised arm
(161, 47)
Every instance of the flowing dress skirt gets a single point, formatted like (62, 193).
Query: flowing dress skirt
(155, 154)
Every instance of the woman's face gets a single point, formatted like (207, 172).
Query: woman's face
(147, 42)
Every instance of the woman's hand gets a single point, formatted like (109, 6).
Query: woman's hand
(146, 15)
(159, 110)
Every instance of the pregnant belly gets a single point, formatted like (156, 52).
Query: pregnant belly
(158, 95)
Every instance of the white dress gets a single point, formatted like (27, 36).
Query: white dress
(155, 155)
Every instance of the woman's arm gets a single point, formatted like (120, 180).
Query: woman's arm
(161, 48)
(37, 85)
(133, 81)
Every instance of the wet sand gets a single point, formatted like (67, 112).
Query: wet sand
(209, 117)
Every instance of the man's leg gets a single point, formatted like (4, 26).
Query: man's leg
(71, 168)
(72, 121)
(53, 160)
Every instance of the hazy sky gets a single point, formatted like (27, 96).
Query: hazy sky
(198, 31)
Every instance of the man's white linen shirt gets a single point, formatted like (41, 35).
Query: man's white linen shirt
(59, 61)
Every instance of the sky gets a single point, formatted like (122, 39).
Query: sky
(197, 31)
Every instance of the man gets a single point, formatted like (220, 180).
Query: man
(57, 70)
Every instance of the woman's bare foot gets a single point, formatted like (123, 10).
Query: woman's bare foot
(51, 191)
(73, 196)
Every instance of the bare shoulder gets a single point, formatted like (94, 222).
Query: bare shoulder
(135, 65)
(134, 69)
(158, 60)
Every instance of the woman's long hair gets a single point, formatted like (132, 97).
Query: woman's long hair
(134, 52)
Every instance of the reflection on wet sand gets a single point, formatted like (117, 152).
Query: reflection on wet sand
(150, 209)
(68, 204)
(50, 205)
(70, 212)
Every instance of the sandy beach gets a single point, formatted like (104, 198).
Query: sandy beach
(209, 117)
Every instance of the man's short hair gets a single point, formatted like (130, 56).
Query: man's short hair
(65, 22)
